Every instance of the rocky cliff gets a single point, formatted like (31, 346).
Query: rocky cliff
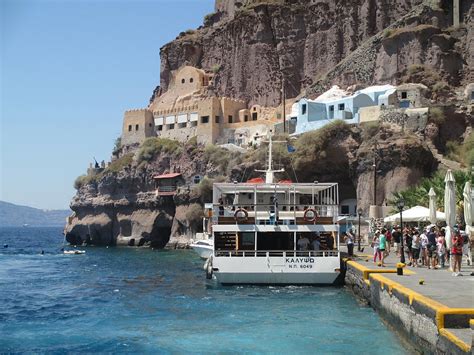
(310, 45)
(256, 47)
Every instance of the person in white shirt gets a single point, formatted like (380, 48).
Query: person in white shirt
(303, 243)
(316, 244)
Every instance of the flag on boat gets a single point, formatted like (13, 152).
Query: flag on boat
(290, 148)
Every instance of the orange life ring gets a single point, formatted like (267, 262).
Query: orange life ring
(238, 215)
(310, 215)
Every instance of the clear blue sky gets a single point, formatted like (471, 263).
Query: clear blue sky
(69, 68)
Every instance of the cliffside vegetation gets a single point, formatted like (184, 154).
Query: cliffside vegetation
(418, 195)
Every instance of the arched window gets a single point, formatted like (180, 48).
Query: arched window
(136, 127)
(191, 80)
(183, 81)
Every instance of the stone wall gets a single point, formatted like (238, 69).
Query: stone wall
(137, 126)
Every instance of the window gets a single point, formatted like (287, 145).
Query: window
(149, 125)
(136, 127)
(129, 127)
(472, 95)
(303, 109)
(204, 119)
(254, 116)
(159, 128)
(331, 108)
(183, 81)
(231, 119)
(182, 125)
(344, 209)
(341, 107)
(171, 126)
(191, 80)
(193, 124)
(218, 119)
(404, 95)
(246, 118)
(197, 179)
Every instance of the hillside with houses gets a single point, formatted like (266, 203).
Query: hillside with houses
(351, 86)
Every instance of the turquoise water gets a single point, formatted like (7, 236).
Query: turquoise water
(140, 300)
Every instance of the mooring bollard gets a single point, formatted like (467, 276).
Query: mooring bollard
(400, 267)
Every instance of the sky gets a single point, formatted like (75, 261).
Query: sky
(69, 69)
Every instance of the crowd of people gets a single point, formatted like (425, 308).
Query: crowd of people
(423, 247)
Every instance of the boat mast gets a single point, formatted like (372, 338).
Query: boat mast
(270, 173)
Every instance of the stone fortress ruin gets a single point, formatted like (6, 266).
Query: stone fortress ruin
(189, 108)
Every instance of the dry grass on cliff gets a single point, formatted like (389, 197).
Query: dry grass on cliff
(152, 147)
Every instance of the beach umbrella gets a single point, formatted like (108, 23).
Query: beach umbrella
(432, 197)
(467, 193)
(449, 205)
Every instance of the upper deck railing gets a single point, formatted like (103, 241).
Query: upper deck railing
(283, 214)
(276, 253)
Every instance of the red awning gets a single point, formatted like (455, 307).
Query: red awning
(285, 182)
(166, 176)
(256, 181)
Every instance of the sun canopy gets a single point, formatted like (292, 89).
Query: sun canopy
(415, 214)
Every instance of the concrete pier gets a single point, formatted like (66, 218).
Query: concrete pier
(431, 308)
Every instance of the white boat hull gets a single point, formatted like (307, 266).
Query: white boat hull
(276, 270)
(204, 251)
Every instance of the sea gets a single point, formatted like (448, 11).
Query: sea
(138, 300)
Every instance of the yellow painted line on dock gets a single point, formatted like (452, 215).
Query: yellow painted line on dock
(440, 309)
(455, 340)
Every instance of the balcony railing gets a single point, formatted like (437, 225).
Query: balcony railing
(262, 214)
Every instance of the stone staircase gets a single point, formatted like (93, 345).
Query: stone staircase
(444, 163)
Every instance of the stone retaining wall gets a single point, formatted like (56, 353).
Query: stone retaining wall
(415, 317)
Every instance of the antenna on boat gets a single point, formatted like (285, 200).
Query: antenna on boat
(270, 173)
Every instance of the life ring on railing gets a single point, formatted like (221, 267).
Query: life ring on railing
(241, 215)
(310, 215)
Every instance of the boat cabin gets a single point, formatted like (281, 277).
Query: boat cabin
(254, 219)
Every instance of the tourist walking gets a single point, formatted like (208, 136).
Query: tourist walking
(349, 239)
(383, 247)
(432, 248)
(466, 248)
(424, 249)
(441, 250)
(408, 241)
(415, 248)
(388, 235)
(375, 244)
(397, 236)
(456, 253)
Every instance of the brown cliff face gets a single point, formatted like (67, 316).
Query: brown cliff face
(312, 45)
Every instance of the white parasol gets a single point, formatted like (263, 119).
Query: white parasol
(432, 196)
(449, 206)
(467, 193)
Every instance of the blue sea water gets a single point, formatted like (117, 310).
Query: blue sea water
(148, 301)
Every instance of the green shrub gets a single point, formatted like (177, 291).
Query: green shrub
(117, 145)
(370, 130)
(215, 68)
(204, 189)
(437, 115)
(440, 86)
(467, 151)
(387, 32)
(153, 146)
(82, 181)
(118, 164)
(194, 214)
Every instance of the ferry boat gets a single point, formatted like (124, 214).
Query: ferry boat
(263, 232)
